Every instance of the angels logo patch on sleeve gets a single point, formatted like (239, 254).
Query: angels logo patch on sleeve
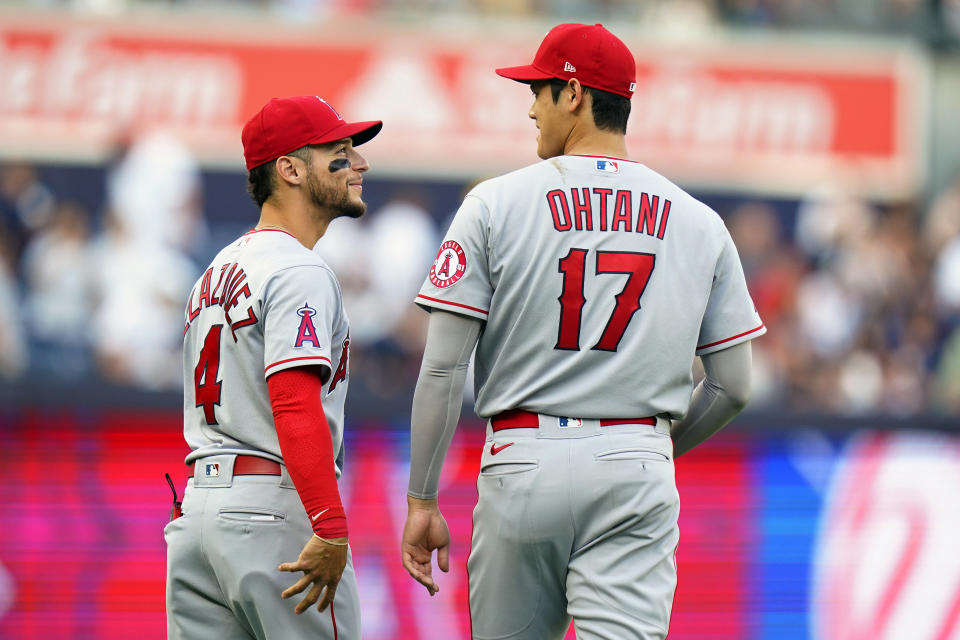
(450, 265)
(307, 333)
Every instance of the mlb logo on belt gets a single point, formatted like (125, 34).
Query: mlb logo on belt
(570, 423)
(212, 470)
(608, 166)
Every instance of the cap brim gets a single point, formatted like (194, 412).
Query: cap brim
(525, 73)
(358, 132)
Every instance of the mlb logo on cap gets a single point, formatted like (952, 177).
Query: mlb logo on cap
(212, 470)
(608, 166)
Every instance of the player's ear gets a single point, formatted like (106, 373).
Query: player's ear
(574, 94)
(289, 170)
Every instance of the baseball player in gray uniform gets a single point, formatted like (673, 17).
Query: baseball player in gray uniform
(587, 284)
(266, 345)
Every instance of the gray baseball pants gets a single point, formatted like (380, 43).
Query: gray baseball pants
(222, 558)
(574, 521)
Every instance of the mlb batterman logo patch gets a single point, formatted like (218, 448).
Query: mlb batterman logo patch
(450, 265)
(608, 166)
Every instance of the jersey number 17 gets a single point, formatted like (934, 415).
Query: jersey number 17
(637, 266)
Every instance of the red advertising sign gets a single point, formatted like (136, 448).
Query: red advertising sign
(768, 116)
(82, 553)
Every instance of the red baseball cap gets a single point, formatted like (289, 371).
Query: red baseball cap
(286, 124)
(589, 53)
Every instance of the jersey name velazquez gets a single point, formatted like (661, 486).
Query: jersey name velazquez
(230, 290)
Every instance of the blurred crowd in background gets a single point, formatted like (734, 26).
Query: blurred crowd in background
(101, 292)
(862, 301)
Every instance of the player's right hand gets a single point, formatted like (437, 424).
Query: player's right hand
(424, 531)
(322, 565)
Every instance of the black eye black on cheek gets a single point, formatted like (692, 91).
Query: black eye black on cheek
(339, 165)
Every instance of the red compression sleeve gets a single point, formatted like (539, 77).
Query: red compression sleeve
(307, 447)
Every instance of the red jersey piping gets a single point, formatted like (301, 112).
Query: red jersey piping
(280, 230)
(324, 358)
(583, 155)
(739, 335)
(455, 304)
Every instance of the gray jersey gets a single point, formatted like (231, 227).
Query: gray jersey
(598, 280)
(265, 304)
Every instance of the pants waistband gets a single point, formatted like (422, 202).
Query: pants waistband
(541, 425)
(219, 470)
(520, 419)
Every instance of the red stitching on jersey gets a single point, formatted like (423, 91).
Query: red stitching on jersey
(739, 335)
(280, 230)
(455, 304)
(327, 360)
(333, 618)
(583, 155)
(466, 566)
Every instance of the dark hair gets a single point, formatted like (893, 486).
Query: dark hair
(261, 180)
(610, 111)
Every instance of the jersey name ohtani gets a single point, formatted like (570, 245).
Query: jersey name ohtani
(576, 208)
(230, 289)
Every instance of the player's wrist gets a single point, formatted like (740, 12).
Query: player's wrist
(338, 541)
(423, 504)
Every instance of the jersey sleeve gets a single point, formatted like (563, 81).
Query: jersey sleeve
(459, 279)
(730, 317)
(298, 309)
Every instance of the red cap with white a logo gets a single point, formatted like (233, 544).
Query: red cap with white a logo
(286, 124)
(589, 53)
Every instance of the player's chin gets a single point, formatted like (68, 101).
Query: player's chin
(544, 151)
(353, 208)
(545, 154)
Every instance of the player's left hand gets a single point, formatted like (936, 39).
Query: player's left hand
(322, 564)
(424, 531)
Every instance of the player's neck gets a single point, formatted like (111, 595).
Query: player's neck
(596, 143)
(301, 225)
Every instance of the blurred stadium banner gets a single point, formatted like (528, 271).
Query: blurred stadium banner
(759, 115)
(788, 534)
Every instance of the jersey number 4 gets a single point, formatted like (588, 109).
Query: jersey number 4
(205, 384)
(637, 266)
